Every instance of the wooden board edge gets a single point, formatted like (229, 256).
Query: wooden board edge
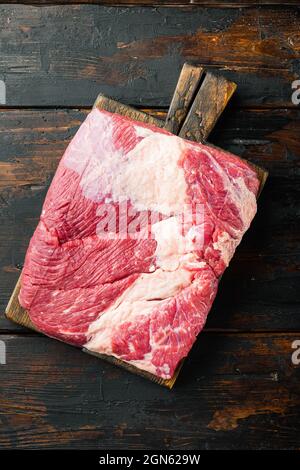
(168, 383)
(15, 312)
(108, 104)
(262, 176)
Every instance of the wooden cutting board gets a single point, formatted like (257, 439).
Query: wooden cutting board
(198, 101)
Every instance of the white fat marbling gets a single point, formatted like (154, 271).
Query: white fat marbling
(148, 175)
(176, 266)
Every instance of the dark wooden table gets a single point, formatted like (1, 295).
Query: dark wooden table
(239, 388)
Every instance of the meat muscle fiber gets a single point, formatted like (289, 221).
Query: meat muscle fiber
(137, 227)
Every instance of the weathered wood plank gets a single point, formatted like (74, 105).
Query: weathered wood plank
(229, 391)
(258, 291)
(183, 96)
(157, 3)
(207, 107)
(65, 55)
(108, 104)
(35, 140)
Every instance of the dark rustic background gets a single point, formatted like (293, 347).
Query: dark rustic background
(239, 388)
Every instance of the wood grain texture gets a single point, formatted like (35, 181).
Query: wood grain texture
(258, 292)
(15, 312)
(185, 91)
(108, 104)
(237, 391)
(157, 3)
(65, 55)
(207, 107)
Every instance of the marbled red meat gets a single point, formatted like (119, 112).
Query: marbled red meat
(113, 265)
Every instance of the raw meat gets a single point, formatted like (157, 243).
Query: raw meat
(137, 227)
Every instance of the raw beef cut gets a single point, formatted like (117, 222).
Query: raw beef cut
(137, 227)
